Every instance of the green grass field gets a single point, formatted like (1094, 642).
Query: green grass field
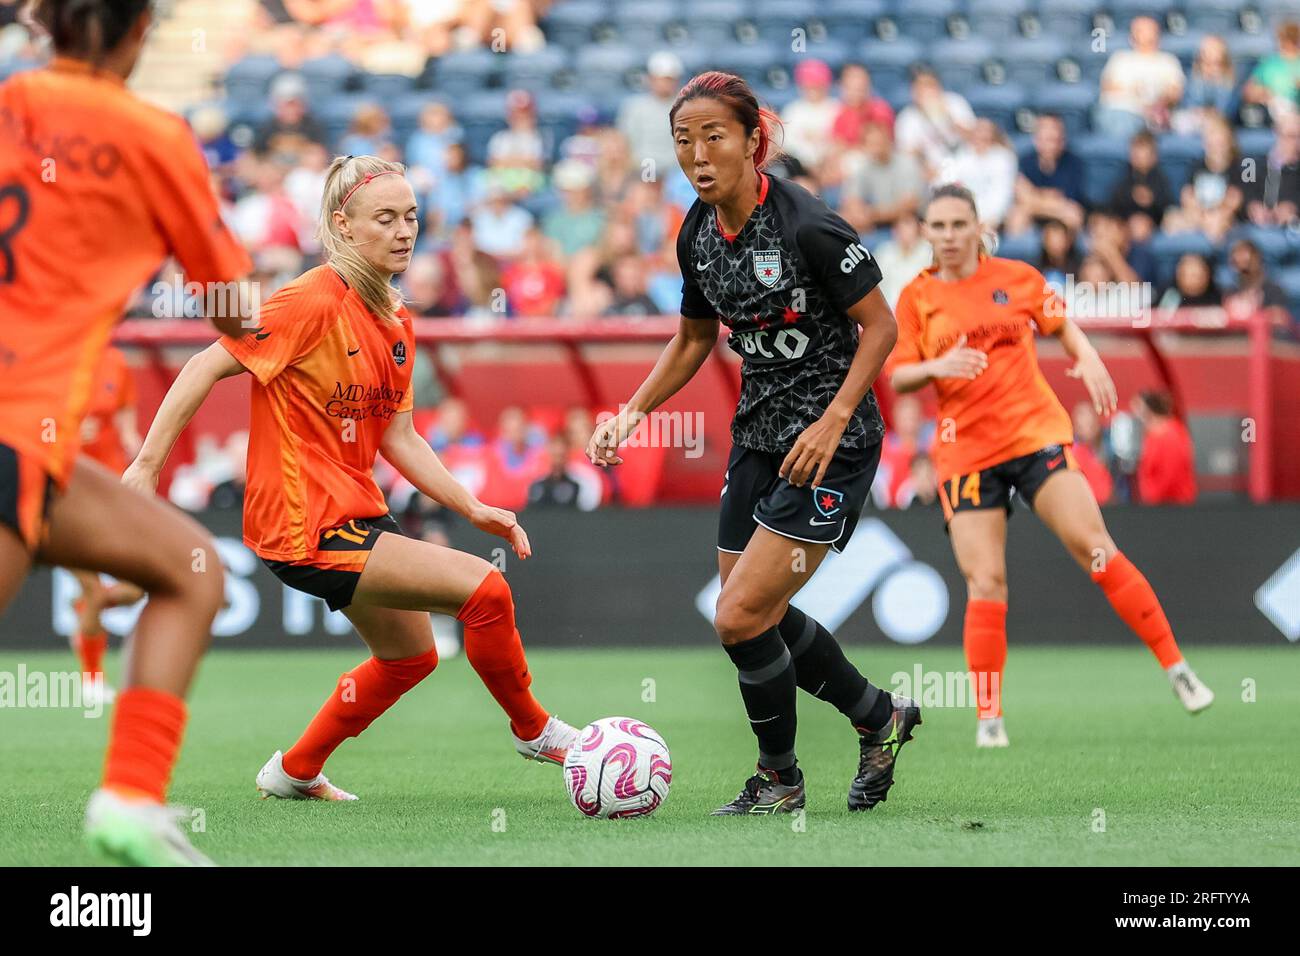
(1093, 731)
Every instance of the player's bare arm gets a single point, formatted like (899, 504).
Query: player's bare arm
(419, 464)
(188, 392)
(681, 359)
(1088, 368)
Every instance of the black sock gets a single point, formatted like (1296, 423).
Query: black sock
(768, 688)
(823, 671)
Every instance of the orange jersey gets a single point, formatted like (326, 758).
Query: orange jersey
(329, 379)
(1009, 410)
(112, 392)
(96, 189)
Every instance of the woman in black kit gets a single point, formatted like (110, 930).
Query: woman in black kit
(797, 291)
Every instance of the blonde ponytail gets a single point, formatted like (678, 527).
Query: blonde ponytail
(376, 290)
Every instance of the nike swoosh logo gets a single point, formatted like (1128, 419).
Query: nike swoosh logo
(1055, 461)
(352, 352)
(701, 266)
(814, 522)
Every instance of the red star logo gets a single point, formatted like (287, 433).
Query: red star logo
(789, 316)
(828, 502)
(767, 273)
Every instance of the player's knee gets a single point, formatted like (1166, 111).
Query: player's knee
(1092, 551)
(490, 602)
(196, 578)
(987, 585)
(736, 619)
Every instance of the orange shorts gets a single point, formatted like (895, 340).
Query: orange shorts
(26, 493)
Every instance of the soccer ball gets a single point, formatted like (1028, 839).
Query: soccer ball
(618, 768)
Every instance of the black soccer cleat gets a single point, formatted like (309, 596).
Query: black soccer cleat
(764, 793)
(879, 753)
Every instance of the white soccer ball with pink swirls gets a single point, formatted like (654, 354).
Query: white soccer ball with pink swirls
(620, 767)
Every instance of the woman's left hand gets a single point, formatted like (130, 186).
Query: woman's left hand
(1092, 372)
(813, 451)
(503, 524)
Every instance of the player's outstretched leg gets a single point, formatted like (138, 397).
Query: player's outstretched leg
(979, 540)
(96, 525)
(89, 640)
(406, 573)
(1068, 508)
(402, 646)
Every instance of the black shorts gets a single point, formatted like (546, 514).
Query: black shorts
(755, 494)
(340, 558)
(992, 487)
(26, 494)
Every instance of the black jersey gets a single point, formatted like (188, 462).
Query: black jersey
(782, 286)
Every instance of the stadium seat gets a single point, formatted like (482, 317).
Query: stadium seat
(1289, 281)
(386, 86)
(1123, 12)
(535, 70)
(1184, 47)
(997, 19)
(753, 62)
(465, 71)
(569, 24)
(1178, 154)
(1027, 246)
(1104, 161)
(925, 20)
(831, 51)
(713, 22)
(1255, 142)
(890, 61)
(776, 20)
(998, 103)
(326, 76)
(959, 62)
(1071, 101)
(643, 25)
(1031, 63)
(850, 20)
(1066, 18)
(249, 78)
(608, 66)
(1249, 48)
(1271, 242)
(1214, 16)
(335, 113)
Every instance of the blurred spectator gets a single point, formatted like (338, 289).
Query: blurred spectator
(457, 192)
(1143, 190)
(907, 436)
(630, 298)
(515, 460)
(304, 184)
(1212, 87)
(534, 282)
(1050, 185)
(902, 257)
(211, 129)
(1212, 200)
(921, 487)
(427, 147)
(1273, 196)
(643, 118)
(988, 168)
(425, 286)
(934, 124)
(490, 22)
(461, 449)
(807, 120)
(577, 223)
(265, 218)
(1166, 469)
(1057, 256)
(585, 144)
(1139, 86)
(1090, 452)
(291, 126)
(475, 273)
(1275, 82)
(558, 488)
(500, 225)
(228, 491)
(859, 107)
(370, 132)
(1112, 246)
(517, 153)
(1252, 289)
(882, 184)
(1194, 285)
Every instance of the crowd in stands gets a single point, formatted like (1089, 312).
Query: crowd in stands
(566, 201)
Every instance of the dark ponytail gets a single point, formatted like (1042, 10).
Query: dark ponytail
(86, 29)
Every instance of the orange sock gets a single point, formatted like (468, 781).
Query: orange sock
(496, 653)
(1137, 605)
(984, 636)
(362, 694)
(144, 742)
(90, 648)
